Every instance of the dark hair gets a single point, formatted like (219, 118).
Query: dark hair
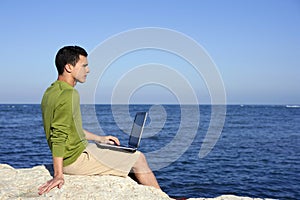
(68, 55)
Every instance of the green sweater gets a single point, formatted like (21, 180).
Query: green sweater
(62, 122)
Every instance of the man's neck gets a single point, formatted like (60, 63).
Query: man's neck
(71, 81)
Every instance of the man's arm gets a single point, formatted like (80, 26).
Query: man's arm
(103, 139)
(58, 178)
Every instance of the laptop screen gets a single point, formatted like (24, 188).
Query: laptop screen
(137, 129)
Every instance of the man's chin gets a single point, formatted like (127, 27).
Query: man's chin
(81, 81)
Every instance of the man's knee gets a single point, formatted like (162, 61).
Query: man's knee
(142, 157)
(141, 162)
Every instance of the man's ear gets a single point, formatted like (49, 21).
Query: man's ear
(68, 68)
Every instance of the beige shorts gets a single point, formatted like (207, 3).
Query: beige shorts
(97, 161)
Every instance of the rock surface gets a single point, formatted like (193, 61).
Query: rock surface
(23, 184)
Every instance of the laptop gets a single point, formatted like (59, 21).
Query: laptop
(134, 138)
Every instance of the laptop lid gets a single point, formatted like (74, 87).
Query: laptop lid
(137, 129)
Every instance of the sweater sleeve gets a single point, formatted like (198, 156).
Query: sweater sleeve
(60, 128)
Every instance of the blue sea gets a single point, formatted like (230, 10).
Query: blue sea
(256, 155)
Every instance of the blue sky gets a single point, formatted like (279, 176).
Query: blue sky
(254, 43)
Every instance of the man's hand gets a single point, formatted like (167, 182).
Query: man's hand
(110, 140)
(58, 179)
(49, 185)
(103, 139)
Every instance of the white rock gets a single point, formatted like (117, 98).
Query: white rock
(23, 184)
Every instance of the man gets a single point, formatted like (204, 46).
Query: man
(67, 140)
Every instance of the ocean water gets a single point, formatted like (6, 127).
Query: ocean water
(257, 154)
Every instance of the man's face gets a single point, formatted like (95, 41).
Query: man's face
(81, 69)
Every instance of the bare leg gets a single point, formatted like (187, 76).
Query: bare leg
(143, 173)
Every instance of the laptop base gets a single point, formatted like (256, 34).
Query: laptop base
(116, 147)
